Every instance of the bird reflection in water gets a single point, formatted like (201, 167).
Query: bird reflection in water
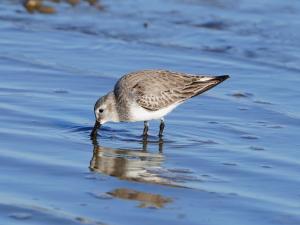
(133, 165)
(146, 200)
(128, 164)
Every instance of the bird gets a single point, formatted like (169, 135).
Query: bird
(149, 95)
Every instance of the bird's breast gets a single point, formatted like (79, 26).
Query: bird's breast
(138, 113)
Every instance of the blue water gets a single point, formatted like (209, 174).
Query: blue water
(228, 157)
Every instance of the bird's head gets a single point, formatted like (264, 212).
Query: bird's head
(105, 111)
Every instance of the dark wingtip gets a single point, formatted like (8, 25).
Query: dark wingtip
(223, 77)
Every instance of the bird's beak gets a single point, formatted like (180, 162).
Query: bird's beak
(96, 127)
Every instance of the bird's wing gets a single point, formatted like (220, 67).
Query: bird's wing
(156, 89)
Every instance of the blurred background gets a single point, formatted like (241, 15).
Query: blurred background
(229, 156)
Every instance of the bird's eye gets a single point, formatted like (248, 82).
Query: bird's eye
(101, 110)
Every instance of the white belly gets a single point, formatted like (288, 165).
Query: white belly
(138, 113)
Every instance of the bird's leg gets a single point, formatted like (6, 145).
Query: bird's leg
(145, 144)
(160, 145)
(146, 127)
(161, 127)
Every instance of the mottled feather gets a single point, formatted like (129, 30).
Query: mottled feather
(156, 89)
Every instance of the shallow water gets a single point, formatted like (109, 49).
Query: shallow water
(230, 156)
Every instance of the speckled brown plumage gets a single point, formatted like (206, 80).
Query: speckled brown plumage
(156, 89)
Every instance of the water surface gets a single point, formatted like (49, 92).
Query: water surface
(230, 156)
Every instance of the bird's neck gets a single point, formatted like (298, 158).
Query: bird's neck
(114, 115)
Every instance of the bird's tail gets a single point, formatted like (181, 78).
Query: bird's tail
(203, 83)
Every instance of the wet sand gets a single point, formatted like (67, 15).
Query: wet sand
(230, 156)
